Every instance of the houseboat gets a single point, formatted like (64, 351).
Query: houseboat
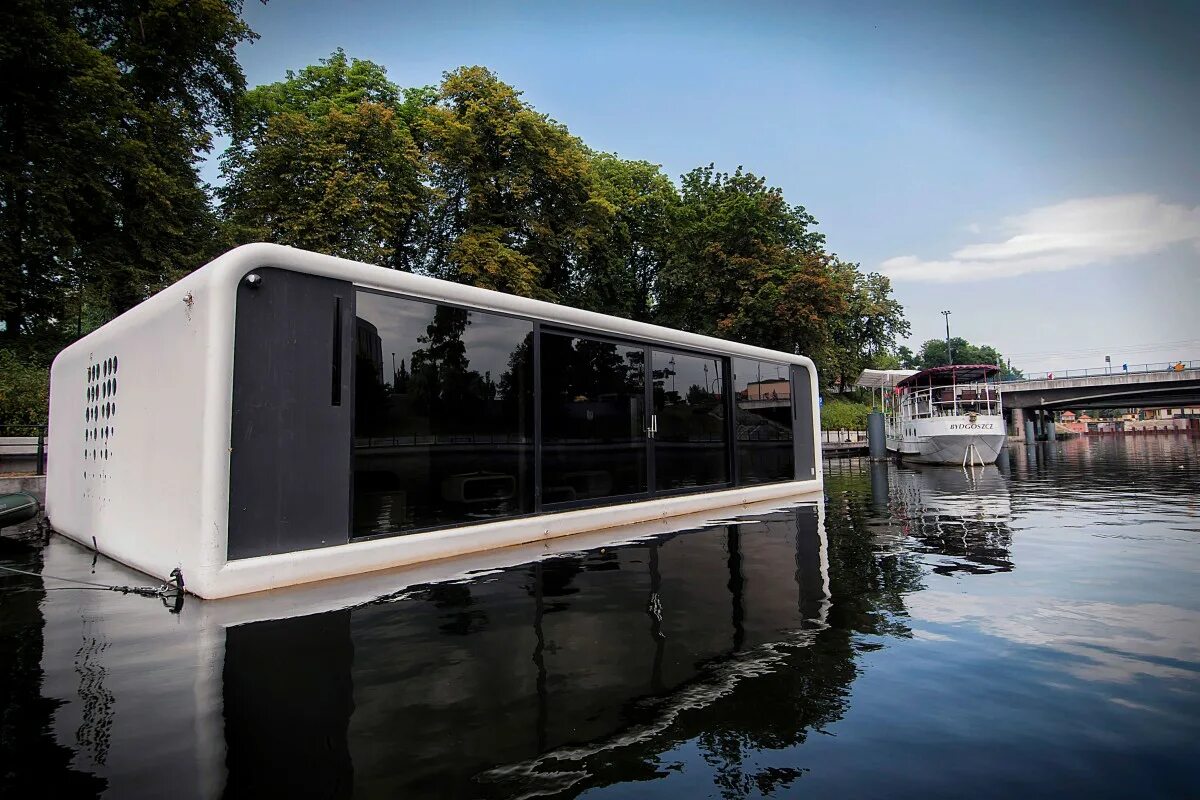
(280, 417)
(946, 415)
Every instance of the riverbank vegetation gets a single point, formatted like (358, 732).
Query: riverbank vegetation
(109, 109)
(844, 415)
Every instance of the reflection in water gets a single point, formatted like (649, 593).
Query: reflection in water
(959, 631)
(34, 762)
(960, 515)
(288, 698)
(490, 711)
(97, 701)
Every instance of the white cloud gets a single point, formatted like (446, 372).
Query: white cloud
(1076, 233)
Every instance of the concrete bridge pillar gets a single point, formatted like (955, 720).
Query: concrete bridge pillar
(1030, 430)
(1051, 433)
(1018, 423)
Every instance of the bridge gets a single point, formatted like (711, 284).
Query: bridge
(1029, 403)
(1164, 387)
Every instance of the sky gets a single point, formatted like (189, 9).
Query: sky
(1033, 168)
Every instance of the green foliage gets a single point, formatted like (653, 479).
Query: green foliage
(24, 389)
(933, 354)
(837, 415)
(511, 189)
(631, 239)
(61, 97)
(885, 360)
(337, 83)
(494, 194)
(179, 78)
(325, 160)
(745, 265)
(345, 183)
(105, 109)
(864, 334)
(108, 106)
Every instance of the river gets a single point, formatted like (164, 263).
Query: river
(933, 632)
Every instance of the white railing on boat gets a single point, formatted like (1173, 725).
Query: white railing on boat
(947, 401)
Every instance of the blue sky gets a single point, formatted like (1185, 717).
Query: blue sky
(1032, 167)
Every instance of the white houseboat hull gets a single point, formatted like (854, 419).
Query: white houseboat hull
(948, 440)
(236, 466)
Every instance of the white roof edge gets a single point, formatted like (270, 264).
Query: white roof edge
(251, 256)
(883, 378)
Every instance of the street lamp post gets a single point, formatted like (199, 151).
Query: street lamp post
(949, 352)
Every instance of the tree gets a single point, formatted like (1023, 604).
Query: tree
(337, 83)
(631, 240)
(61, 101)
(104, 110)
(747, 266)
(325, 160)
(512, 189)
(933, 354)
(844, 415)
(442, 384)
(180, 74)
(24, 390)
(863, 336)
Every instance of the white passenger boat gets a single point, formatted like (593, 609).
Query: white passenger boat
(946, 415)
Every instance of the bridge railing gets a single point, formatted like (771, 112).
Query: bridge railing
(1111, 369)
(22, 447)
(842, 436)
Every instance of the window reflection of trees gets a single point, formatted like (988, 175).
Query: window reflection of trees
(440, 438)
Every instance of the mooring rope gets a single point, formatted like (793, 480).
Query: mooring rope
(144, 591)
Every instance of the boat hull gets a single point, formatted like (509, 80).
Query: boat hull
(17, 508)
(947, 440)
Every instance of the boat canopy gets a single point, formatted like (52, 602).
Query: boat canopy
(952, 373)
(883, 378)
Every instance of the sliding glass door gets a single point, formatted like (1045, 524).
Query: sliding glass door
(594, 440)
(690, 426)
(443, 415)
(609, 430)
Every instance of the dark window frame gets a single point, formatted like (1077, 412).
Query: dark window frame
(730, 423)
(533, 439)
(591, 502)
(787, 367)
(648, 346)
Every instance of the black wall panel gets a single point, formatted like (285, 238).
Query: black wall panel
(292, 414)
(802, 424)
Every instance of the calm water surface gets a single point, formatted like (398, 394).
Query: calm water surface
(1033, 630)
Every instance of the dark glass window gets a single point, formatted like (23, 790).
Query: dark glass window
(443, 415)
(762, 394)
(691, 443)
(593, 418)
